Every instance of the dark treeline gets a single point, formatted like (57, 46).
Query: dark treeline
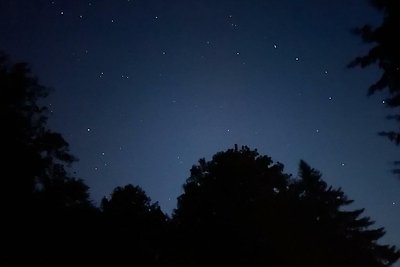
(239, 208)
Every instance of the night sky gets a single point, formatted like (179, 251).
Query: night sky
(144, 88)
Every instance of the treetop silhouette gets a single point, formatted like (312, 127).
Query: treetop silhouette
(36, 159)
(238, 208)
(385, 54)
(241, 208)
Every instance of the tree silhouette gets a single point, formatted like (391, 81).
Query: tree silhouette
(36, 158)
(135, 228)
(224, 205)
(40, 200)
(385, 54)
(332, 232)
(130, 202)
(241, 208)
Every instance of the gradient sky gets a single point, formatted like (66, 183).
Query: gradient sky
(144, 88)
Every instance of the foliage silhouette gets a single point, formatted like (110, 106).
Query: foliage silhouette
(136, 228)
(39, 198)
(241, 208)
(48, 218)
(36, 159)
(385, 54)
(238, 208)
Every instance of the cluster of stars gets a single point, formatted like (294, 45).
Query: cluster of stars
(104, 163)
(208, 43)
(232, 24)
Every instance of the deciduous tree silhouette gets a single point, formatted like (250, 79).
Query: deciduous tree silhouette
(40, 200)
(385, 54)
(35, 158)
(134, 227)
(241, 208)
(47, 216)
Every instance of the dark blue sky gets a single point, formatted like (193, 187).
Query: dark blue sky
(144, 88)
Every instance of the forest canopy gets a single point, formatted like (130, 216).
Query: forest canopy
(238, 208)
